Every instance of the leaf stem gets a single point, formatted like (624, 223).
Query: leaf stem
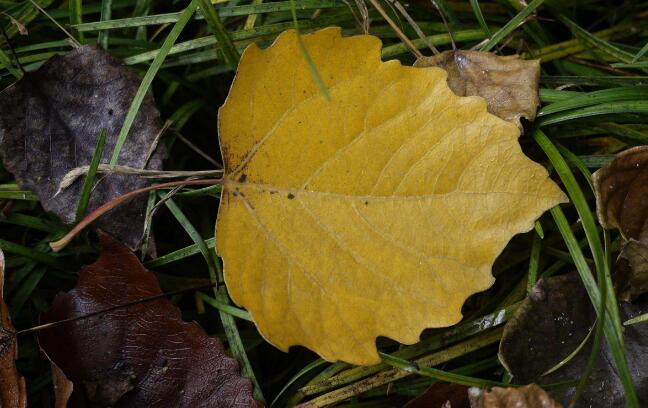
(63, 242)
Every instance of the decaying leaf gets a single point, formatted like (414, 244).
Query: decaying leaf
(551, 323)
(142, 355)
(376, 212)
(442, 395)
(621, 203)
(529, 396)
(50, 122)
(62, 387)
(508, 84)
(12, 385)
(631, 279)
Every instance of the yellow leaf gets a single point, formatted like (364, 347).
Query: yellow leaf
(374, 213)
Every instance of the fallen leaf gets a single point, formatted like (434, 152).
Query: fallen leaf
(631, 278)
(374, 213)
(12, 385)
(62, 387)
(442, 395)
(50, 122)
(508, 84)
(529, 396)
(142, 355)
(551, 323)
(621, 190)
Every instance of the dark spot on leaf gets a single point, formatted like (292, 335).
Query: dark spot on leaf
(366, 202)
(291, 196)
(242, 178)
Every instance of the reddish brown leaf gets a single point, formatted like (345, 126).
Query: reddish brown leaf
(529, 396)
(62, 387)
(441, 395)
(12, 385)
(142, 355)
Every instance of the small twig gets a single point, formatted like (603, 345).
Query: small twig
(154, 145)
(63, 242)
(197, 150)
(11, 48)
(415, 26)
(397, 30)
(112, 308)
(74, 41)
(445, 23)
(77, 172)
(364, 13)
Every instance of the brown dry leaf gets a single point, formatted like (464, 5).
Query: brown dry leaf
(142, 355)
(442, 395)
(508, 84)
(621, 190)
(12, 385)
(62, 387)
(376, 212)
(529, 396)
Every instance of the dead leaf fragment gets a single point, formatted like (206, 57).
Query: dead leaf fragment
(442, 395)
(551, 323)
(142, 355)
(50, 122)
(374, 213)
(12, 385)
(529, 396)
(631, 278)
(62, 387)
(621, 190)
(508, 84)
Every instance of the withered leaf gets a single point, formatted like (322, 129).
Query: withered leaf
(142, 355)
(442, 395)
(529, 396)
(50, 122)
(12, 385)
(631, 279)
(551, 323)
(508, 84)
(621, 202)
(62, 387)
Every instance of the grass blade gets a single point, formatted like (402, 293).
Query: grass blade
(511, 25)
(224, 40)
(612, 326)
(480, 17)
(148, 78)
(86, 190)
(106, 12)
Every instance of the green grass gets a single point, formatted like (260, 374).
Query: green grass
(594, 93)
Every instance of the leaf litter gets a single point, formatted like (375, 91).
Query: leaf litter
(552, 322)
